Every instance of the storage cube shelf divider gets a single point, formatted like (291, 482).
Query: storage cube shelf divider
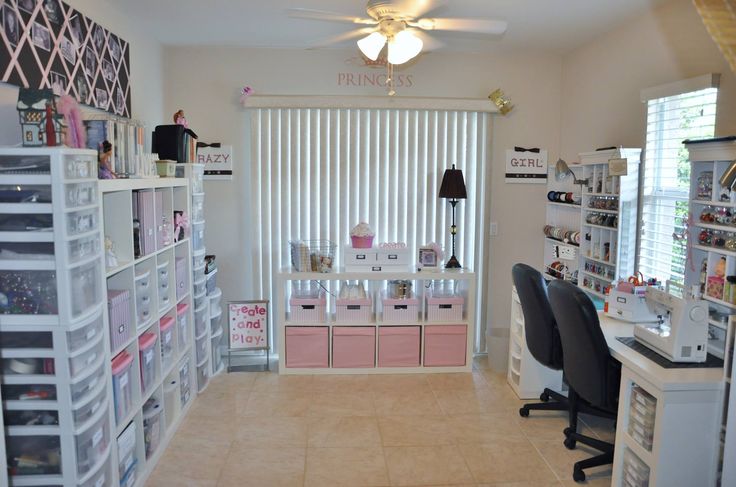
(404, 339)
(708, 162)
(54, 340)
(154, 297)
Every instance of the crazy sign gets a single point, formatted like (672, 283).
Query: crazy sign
(248, 322)
(528, 166)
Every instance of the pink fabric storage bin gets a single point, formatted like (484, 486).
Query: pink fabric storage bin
(444, 309)
(354, 310)
(405, 310)
(444, 345)
(353, 346)
(398, 346)
(118, 306)
(308, 310)
(307, 346)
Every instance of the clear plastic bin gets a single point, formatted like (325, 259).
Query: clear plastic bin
(198, 273)
(143, 282)
(85, 287)
(200, 300)
(77, 339)
(200, 321)
(87, 385)
(25, 193)
(26, 163)
(217, 352)
(200, 287)
(172, 404)
(85, 410)
(197, 236)
(147, 349)
(28, 293)
(211, 282)
(215, 298)
(182, 277)
(167, 340)
(91, 445)
(33, 455)
(126, 451)
(79, 167)
(30, 417)
(122, 384)
(197, 207)
(80, 362)
(82, 221)
(151, 426)
(305, 289)
(80, 194)
(102, 477)
(83, 248)
(201, 348)
(182, 332)
(215, 321)
(143, 307)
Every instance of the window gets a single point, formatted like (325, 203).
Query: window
(666, 184)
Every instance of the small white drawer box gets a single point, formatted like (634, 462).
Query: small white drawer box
(354, 310)
(444, 308)
(360, 256)
(397, 257)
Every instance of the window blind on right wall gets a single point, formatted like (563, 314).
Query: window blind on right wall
(666, 182)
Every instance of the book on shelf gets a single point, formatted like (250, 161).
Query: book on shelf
(126, 137)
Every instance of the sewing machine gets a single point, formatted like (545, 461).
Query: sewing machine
(681, 334)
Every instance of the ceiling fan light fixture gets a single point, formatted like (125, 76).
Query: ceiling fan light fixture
(371, 45)
(403, 47)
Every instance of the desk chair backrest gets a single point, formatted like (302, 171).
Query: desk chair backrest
(540, 329)
(587, 361)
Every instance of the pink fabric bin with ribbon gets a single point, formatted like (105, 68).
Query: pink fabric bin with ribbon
(353, 346)
(307, 346)
(444, 345)
(398, 346)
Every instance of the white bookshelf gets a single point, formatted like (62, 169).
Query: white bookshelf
(714, 157)
(374, 282)
(158, 266)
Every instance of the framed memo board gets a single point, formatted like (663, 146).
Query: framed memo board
(248, 327)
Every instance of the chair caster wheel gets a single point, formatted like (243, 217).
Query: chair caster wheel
(570, 444)
(567, 431)
(544, 397)
(523, 412)
(578, 475)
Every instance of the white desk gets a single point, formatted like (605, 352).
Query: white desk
(684, 448)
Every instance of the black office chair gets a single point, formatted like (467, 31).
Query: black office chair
(593, 375)
(540, 330)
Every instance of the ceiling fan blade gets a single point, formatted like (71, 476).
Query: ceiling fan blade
(478, 26)
(345, 36)
(419, 8)
(429, 42)
(311, 14)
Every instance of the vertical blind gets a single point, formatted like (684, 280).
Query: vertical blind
(666, 184)
(317, 172)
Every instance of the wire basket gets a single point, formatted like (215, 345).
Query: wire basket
(312, 255)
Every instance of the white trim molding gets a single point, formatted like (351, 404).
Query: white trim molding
(675, 88)
(371, 102)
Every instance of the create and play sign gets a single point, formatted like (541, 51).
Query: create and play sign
(248, 323)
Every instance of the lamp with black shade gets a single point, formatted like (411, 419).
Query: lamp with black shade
(453, 188)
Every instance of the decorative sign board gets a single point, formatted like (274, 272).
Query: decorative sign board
(217, 160)
(248, 325)
(618, 167)
(48, 44)
(526, 166)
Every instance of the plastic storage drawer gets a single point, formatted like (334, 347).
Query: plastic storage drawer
(308, 310)
(82, 248)
(215, 298)
(162, 270)
(398, 346)
(444, 309)
(200, 287)
(404, 310)
(83, 221)
(198, 207)
(102, 477)
(211, 281)
(201, 348)
(445, 345)
(215, 320)
(202, 376)
(81, 388)
(77, 166)
(197, 236)
(182, 283)
(182, 330)
(48, 447)
(122, 384)
(216, 352)
(353, 346)
(307, 346)
(38, 297)
(198, 272)
(78, 195)
(77, 339)
(85, 287)
(200, 321)
(166, 327)
(353, 310)
(92, 444)
(151, 426)
(147, 351)
(85, 410)
(82, 360)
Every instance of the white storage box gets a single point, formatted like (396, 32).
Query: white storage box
(403, 310)
(376, 259)
(310, 310)
(397, 257)
(444, 308)
(354, 310)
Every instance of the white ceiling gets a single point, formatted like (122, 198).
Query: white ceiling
(558, 25)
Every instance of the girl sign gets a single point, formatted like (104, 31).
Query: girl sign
(248, 326)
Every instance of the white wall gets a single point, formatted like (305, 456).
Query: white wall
(146, 76)
(204, 82)
(601, 81)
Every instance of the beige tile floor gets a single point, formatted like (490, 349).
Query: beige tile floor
(262, 429)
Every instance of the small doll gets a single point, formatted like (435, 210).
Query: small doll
(179, 119)
(104, 159)
(181, 223)
(111, 260)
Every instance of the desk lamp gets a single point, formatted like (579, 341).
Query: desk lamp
(453, 188)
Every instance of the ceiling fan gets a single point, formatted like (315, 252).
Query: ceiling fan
(400, 24)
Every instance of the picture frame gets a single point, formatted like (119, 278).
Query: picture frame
(427, 257)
